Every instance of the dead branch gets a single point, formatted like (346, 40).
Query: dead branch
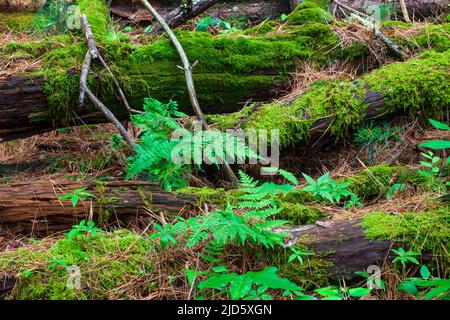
(92, 52)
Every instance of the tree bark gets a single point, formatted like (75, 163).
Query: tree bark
(35, 208)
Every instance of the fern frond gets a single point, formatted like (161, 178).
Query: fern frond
(262, 213)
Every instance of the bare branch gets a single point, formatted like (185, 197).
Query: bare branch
(92, 52)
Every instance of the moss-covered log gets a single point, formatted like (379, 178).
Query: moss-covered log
(35, 207)
(418, 87)
(344, 244)
(349, 246)
(231, 70)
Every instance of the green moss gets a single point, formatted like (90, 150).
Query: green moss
(373, 181)
(15, 21)
(106, 261)
(355, 50)
(207, 195)
(430, 36)
(297, 196)
(417, 87)
(300, 214)
(308, 12)
(97, 14)
(427, 231)
(388, 24)
(313, 273)
(264, 27)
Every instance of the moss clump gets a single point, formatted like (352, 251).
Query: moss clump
(373, 181)
(107, 261)
(355, 50)
(300, 214)
(297, 196)
(313, 273)
(207, 195)
(15, 21)
(427, 231)
(430, 36)
(418, 87)
(262, 28)
(308, 12)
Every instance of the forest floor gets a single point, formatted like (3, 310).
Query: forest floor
(375, 196)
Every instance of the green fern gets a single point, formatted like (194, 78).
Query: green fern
(155, 151)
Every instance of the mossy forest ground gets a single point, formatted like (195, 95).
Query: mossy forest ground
(344, 160)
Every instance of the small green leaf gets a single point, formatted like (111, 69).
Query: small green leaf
(424, 272)
(436, 144)
(359, 292)
(439, 125)
(240, 286)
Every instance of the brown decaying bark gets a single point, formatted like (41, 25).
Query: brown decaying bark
(345, 245)
(35, 207)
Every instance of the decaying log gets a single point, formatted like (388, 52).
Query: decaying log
(252, 10)
(183, 13)
(24, 109)
(344, 244)
(255, 10)
(35, 207)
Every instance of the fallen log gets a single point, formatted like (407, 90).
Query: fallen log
(35, 207)
(344, 244)
(230, 71)
(251, 10)
(333, 110)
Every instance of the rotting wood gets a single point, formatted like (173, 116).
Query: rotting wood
(34, 207)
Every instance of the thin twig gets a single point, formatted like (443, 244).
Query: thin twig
(108, 114)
